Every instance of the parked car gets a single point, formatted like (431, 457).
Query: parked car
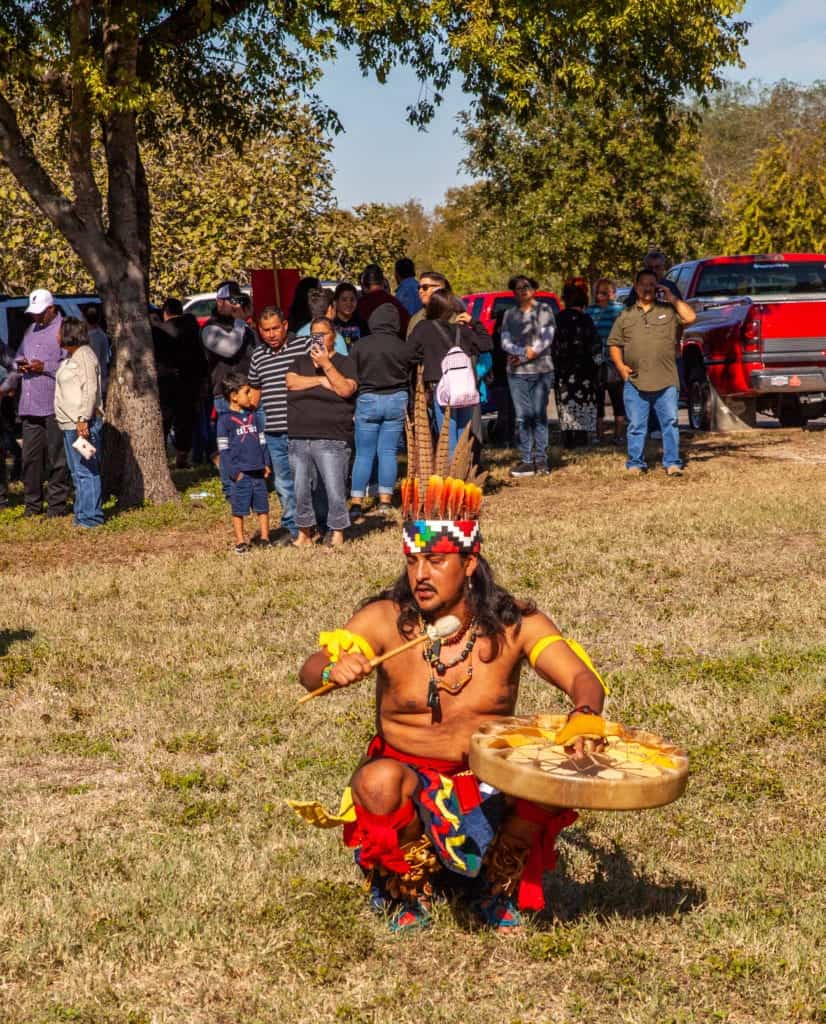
(759, 340)
(202, 305)
(14, 319)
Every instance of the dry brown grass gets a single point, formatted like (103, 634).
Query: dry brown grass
(150, 872)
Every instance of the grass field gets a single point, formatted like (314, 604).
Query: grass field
(150, 871)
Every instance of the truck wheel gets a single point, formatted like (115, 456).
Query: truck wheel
(699, 402)
(789, 411)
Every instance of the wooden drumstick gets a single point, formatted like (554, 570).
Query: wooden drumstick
(437, 631)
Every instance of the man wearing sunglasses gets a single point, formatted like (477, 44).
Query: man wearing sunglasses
(429, 281)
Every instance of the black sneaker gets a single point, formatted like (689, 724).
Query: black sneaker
(356, 512)
(523, 469)
(241, 549)
(542, 469)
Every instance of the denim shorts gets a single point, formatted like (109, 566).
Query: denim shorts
(250, 492)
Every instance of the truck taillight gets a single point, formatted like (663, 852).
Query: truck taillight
(751, 334)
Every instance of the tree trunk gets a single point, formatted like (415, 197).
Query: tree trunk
(135, 466)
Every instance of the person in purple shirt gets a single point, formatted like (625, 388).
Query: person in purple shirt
(44, 456)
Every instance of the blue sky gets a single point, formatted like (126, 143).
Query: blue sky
(380, 158)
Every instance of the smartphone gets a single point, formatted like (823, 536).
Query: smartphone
(317, 340)
(661, 294)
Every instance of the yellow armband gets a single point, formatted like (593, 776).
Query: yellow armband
(342, 641)
(578, 650)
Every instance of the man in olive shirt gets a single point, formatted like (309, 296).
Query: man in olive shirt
(643, 347)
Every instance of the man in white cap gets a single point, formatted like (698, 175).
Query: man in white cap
(44, 457)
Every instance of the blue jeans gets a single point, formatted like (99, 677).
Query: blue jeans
(331, 460)
(86, 475)
(459, 419)
(379, 423)
(279, 449)
(638, 406)
(529, 394)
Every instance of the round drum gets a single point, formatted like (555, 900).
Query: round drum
(636, 769)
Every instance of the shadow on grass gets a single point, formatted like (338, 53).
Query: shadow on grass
(197, 474)
(13, 636)
(372, 524)
(618, 889)
(700, 448)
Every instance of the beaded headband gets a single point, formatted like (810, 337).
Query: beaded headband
(441, 497)
(445, 536)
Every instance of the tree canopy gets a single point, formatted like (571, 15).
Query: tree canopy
(281, 192)
(587, 188)
(782, 205)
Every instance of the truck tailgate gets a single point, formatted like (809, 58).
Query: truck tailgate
(793, 331)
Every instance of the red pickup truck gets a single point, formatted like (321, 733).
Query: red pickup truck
(759, 340)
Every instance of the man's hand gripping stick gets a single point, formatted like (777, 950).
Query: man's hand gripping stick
(440, 629)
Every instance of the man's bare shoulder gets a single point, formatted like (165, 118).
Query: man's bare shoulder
(535, 624)
(377, 622)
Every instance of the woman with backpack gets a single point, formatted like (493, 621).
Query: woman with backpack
(573, 348)
(448, 350)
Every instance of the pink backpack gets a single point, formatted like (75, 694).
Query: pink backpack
(457, 388)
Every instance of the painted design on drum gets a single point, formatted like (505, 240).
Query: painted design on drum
(620, 760)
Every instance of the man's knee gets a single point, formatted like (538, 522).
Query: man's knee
(383, 785)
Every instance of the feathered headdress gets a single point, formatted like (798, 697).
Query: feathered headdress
(441, 502)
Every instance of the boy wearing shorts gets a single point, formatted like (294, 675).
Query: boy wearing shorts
(245, 459)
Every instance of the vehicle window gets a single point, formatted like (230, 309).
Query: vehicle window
(679, 276)
(201, 307)
(501, 304)
(17, 322)
(770, 278)
(476, 308)
(507, 301)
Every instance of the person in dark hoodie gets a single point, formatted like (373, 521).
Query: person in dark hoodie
(228, 342)
(383, 363)
(374, 293)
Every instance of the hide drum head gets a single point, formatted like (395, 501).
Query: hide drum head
(636, 769)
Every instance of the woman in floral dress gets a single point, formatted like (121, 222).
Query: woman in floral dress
(574, 346)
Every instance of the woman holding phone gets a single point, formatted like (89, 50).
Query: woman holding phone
(321, 398)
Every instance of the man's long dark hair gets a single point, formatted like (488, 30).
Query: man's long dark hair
(492, 607)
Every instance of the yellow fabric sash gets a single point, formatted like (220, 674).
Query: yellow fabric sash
(342, 641)
(577, 648)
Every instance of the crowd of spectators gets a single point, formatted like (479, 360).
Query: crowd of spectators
(309, 404)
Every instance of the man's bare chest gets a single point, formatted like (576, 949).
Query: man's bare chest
(480, 683)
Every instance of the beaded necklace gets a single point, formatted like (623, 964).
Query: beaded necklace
(432, 654)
